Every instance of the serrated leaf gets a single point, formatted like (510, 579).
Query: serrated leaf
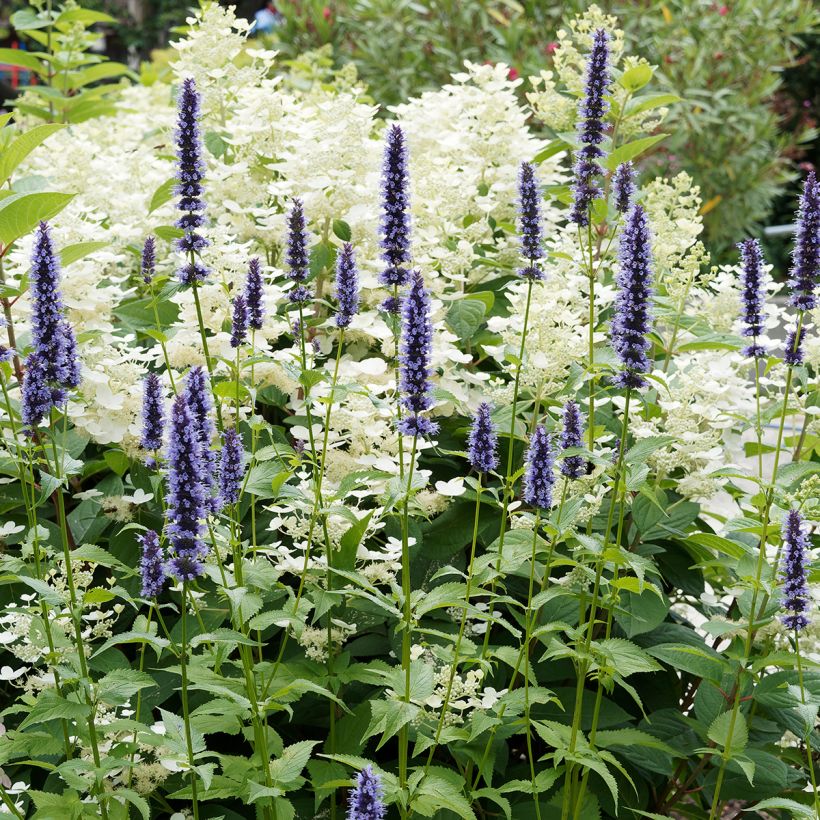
(626, 657)
(120, 685)
(290, 763)
(50, 706)
(625, 153)
(730, 736)
(797, 810)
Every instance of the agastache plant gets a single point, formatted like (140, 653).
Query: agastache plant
(153, 413)
(189, 189)
(347, 286)
(796, 596)
(395, 224)
(198, 398)
(529, 222)
(297, 255)
(482, 442)
(591, 111)
(37, 396)
(539, 477)
(152, 565)
(805, 268)
(572, 435)
(255, 294)
(148, 260)
(239, 321)
(231, 468)
(366, 801)
(633, 320)
(623, 187)
(793, 347)
(753, 296)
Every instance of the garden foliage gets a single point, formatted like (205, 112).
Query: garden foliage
(389, 469)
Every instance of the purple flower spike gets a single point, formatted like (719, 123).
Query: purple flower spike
(796, 598)
(572, 435)
(240, 322)
(529, 222)
(753, 296)
(190, 174)
(347, 286)
(395, 224)
(255, 294)
(153, 413)
(37, 397)
(51, 335)
(623, 186)
(806, 255)
(633, 319)
(482, 443)
(198, 398)
(366, 799)
(414, 360)
(152, 565)
(149, 260)
(793, 349)
(539, 477)
(231, 468)
(591, 110)
(187, 496)
(297, 255)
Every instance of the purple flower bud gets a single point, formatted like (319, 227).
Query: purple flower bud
(255, 294)
(482, 443)
(591, 110)
(152, 565)
(753, 296)
(198, 398)
(187, 495)
(572, 435)
(392, 305)
(793, 349)
(529, 221)
(633, 320)
(239, 324)
(190, 173)
(796, 598)
(153, 413)
(806, 254)
(347, 286)
(231, 468)
(414, 359)
(365, 801)
(623, 186)
(539, 477)
(149, 260)
(297, 255)
(395, 224)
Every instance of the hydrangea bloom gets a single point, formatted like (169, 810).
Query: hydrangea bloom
(529, 222)
(414, 359)
(632, 320)
(796, 597)
(395, 224)
(482, 443)
(591, 110)
(806, 255)
(753, 295)
(539, 477)
(365, 800)
(187, 495)
(152, 565)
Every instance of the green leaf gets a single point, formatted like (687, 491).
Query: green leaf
(465, 317)
(646, 102)
(50, 706)
(163, 194)
(23, 59)
(291, 762)
(75, 252)
(265, 479)
(635, 78)
(631, 150)
(797, 810)
(387, 717)
(20, 213)
(342, 230)
(699, 661)
(119, 685)
(719, 732)
(640, 452)
(631, 737)
(22, 146)
(626, 657)
(441, 791)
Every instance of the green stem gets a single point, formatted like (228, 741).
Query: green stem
(809, 750)
(528, 633)
(208, 361)
(186, 715)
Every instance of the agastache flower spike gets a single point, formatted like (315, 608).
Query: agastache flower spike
(153, 413)
(231, 468)
(753, 296)
(51, 335)
(255, 294)
(365, 800)
(796, 597)
(623, 186)
(414, 360)
(633, 320)
(297, 255)
(529, 222)
(152, 565)
(793, 350)
(482, 443)
(395, 224)
(538, 476)
(149, 260)
(190, 173)
(186, 497)
(806, 255)
(198, 398)
(239, 322)
(572, 435)
(347, 286)
(591, 110)
(37, 397)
